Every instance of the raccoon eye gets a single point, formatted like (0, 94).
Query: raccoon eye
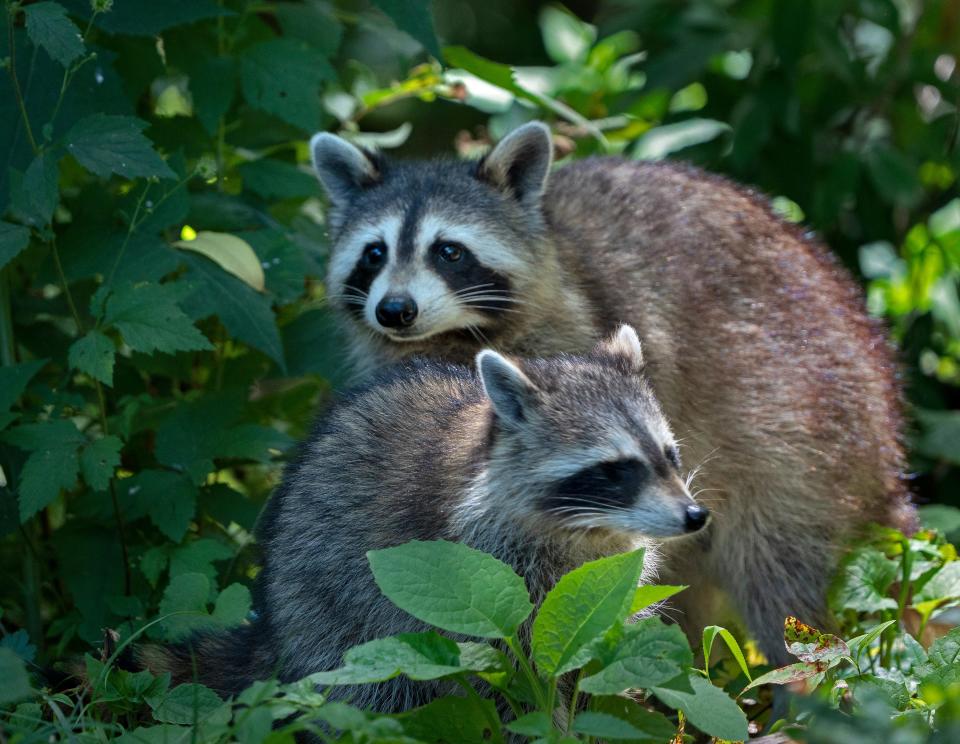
(374, 255)
(450, 252)
(673, 455)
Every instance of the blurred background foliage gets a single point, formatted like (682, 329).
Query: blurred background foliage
(164, 334)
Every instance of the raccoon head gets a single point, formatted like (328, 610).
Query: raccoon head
(428, 248)
(581, 443)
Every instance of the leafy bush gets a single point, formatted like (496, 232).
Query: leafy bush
(165, 339)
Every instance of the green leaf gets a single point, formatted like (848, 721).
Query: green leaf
(810, 645)
(943, 585)
(49, 27)
(709, 635)
(650, 654)
(35, 198)
(492, 72)
(605, 726)
(785, 675)
(105, 144)
(198, 556)
(651, 727)
(185, 600)
(583, 606)
(232, 254)
(537, 724)
(650, 594)
(565, 37)
(52, 466)
(283, 77)
(13, 239)
(314, 23)
(894, 175)
(168, 498)
(708, 708)
(940, 517)
(860, 643)
(14, 379)
(245, 313)
(453, 587)
(657, 143)
(413, 16)
(149, 319)
(188, 704)
(420, 656)
(98, 461)
(213, 83)
(233, 605)
(452, 719)
(275, 179)
(93, 354)
(945, 651)
(16, 681)
(863, 582)
(148, 17)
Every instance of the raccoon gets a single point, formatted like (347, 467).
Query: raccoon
(544, 463)
(759, 349)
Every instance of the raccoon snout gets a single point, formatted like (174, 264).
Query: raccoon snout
(696, 516)
(396, 312)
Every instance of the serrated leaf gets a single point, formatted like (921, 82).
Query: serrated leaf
(19, 643)
(945, 651)
(650, 654)
(810, 645)
(708, 708)
(413, 16)
(275, 179)
(53, 464)
(453, 587)
(233, 605)
(232, 254)
(14, 379)
(93, 354)
(188, 704)
(583, 606)
(185, 600)
(198, 556)
(16, 681)
(283, 77)
(863, 582)
(105, 144)
(536, 724)
(149, 319)
(49, 27)
(13, 239)
(98, 461)
(420, 656)
(246, 314)
(35, 197)
(147, 17)
(651, 727)
(168, 498)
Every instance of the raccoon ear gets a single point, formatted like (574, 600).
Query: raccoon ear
(343, 168)
(519, 164)
(624, 343)
(509, 390)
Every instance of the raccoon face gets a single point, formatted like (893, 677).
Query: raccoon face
(581, 443)
(439, 247)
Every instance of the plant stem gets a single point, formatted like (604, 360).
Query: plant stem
(574, 699)
(65, 285)
(18, 94)
(121, 534)
(536, 685)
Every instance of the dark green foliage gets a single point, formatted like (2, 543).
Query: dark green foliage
(164, 335)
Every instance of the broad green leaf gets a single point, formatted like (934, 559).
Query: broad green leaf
(98, 461)
(198, 556)
(93, 354)
(661, 141)
(213, 83)
(314, 23)
(19, 643)
(940, 517)
(283, 78)
(148, 17)
(785, 675)
(565, 37)
(246, 314)
(53, 464)
(945, 651)
(492, 72)
(413, 16)
(49, 27)
(285, 266)
(105, 144)
(536, 724)
(230, 253)
(649, 654)
(651, 727)
(90, 563)
(453, 587)
(233, 605)
(13, 239)
(943, 585)
(810, 645)
(188, 704)
(860, 643)
(941, 434)
(168, 498)
(35, 197)
(14, 379)
(894, 175)
(149, 319)
(185, 600)
(605, 726)
(892, 692)
(16, 681)
(420, 656)
(275, 179)
(709, 635)
(115, 256)
(452, 719)
(863, 582)
(650, 594)
(583, 605)
(708, 708)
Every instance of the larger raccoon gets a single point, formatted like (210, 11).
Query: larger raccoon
(757, 343)
(544, 463)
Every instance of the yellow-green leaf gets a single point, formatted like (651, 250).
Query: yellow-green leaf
(234, 255)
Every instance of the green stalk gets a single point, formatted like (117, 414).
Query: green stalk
(536, 685)
(18, 94)
(574, 699)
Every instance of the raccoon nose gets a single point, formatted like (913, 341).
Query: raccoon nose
(396, 312)
(696, 517)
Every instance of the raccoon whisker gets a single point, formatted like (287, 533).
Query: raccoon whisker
(490, 307)
(472, 288)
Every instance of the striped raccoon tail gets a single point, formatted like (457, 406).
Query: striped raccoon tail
(226, 661)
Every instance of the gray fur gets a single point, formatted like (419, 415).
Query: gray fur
(422, 453)
(756, 343)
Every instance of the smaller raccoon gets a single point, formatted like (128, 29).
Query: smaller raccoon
(544, 463)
